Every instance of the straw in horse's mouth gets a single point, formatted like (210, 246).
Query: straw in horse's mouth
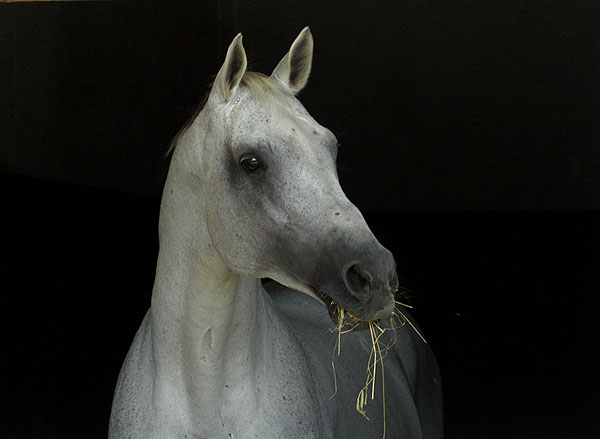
(336, 311)
(378, 352)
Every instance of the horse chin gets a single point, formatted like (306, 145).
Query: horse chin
(342, 318)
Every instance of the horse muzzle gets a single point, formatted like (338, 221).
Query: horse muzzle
(365, 289)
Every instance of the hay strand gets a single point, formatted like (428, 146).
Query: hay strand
(376, 355)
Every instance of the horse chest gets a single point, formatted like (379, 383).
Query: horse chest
(277, 400)
(266, 391)
(279, 394)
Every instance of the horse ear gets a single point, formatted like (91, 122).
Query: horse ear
(232, 70)
(293, 70)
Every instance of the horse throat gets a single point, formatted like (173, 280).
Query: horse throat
(220, 347)
(198, 305)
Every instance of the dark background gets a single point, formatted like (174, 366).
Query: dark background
(469, 139)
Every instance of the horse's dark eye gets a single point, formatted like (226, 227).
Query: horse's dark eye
(250, 163)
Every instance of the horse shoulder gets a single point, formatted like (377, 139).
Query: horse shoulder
(417, 362)
(413, 404)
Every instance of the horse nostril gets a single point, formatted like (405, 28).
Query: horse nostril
(358, 282)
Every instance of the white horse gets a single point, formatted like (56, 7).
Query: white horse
(252, 192)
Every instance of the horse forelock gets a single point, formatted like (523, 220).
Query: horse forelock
(258, 85)
(261, 86)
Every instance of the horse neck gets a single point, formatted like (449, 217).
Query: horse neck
(206, 320)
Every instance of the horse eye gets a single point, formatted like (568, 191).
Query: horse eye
(250, 163)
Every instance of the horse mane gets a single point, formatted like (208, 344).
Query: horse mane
(258, 84)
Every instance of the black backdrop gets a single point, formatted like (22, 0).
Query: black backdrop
(469, 136)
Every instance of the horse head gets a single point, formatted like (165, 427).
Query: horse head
(274, 206)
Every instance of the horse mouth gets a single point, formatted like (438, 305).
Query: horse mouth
(342, 318)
